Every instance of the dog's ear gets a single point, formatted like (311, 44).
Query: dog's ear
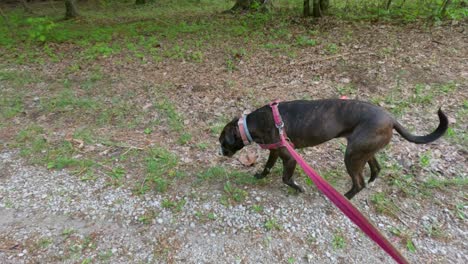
(232, 133)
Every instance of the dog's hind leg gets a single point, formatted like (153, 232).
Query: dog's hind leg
(272, 158)
(289, 165)
(374, 167)
(355, 162)
(362, 146)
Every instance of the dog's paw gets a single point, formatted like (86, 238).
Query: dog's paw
(299, 189)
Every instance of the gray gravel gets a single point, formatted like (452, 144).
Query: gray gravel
(54, 217)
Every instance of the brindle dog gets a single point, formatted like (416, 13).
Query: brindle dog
(367, 128)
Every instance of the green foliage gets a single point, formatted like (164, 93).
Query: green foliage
(11, 106)
(435, 183)
(174, 119)
(173, 205)
(40, 28)
(257, 208)
(338, 242)
(272, 224)
(384, 204)
(305, 41)
(160, 170)
(232, 194)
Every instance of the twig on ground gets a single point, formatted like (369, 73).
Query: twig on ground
(332, 57)
(131, 148)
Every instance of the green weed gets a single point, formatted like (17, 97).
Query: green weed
(44, 242)
(425, 159)
(174, 119)
(303, 41)
(213, 173)
(174, 206)
(257, 208)
(202, 145)
(185, 138)
(332, 48)
(435, 183)
(160, 170)
(147, 218)
(405, 236)
(232, 194)
(272, 224)
(40, 28)
(338, 242)
(383, 204)
(460, 211)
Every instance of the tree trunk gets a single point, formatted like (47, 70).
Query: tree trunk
(26, 7)
(324, 4)
(140, 2)
(70, 9)
(306, 8)
(389, 2)
(249, 5)
(316, 10)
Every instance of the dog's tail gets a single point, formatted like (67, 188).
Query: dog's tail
(443, 125)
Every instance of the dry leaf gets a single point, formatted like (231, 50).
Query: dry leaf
(248, 159)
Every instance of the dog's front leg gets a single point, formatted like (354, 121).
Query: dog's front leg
(289, 165)
(269, 164)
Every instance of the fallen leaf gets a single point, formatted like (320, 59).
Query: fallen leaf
(248, 159)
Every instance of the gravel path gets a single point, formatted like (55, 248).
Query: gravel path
(53, 217)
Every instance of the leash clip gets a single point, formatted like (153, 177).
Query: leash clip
(280, 127)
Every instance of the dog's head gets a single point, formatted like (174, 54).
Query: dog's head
(230, 139)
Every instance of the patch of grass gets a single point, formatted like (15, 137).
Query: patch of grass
(117, 174)
(332, 48)
(425, 159)
(339, 241)
(148, 131)
(406, 238)
(160, 170)
(347, 90)
(460, 211)
(205, 217)
(408, 185)
(185, 138)
(332, 176)
(219, 173)
(147, 217)
(213, 173)
(272, 224)
(173, 118)
(304, 41)
(105, 255)
(67, 232)
(202, 145)
(384, 204)
(66, 101)
(257, 208)
(435, 183)
(232, 194)
(435, 231)
(44, 242)
(11, 105)
(56, 155)
(174, 206)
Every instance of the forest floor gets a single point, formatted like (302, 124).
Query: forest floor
(108, 149)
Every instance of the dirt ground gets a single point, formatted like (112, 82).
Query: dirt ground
(418, 202)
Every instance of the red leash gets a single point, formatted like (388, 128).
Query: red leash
(341, 202)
